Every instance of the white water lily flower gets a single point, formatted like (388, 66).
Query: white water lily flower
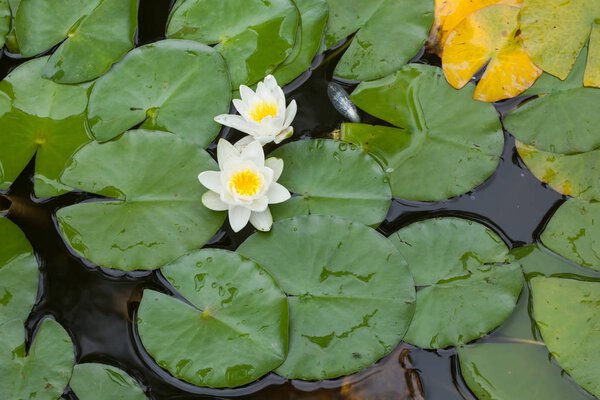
(262, 113)
(245, 185)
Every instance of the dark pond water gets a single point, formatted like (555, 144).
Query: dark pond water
(98, 306)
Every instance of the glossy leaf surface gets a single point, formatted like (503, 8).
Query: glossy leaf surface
(156, 216)
(230, 328)
(350, 293)
(5, 18)
(172, 85)
(39, 117)
(254, 38)
(332, 178)
(104, 382)
(434, 155)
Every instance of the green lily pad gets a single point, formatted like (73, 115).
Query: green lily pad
(229, 329)
(555, 31)
(39, 117)
(5, 17)
(538, 260)
(562, 119)
(567, 313)
(574, 234)
(43, 373)
(390, 33)
(576, 175)
(96, 34)
(253, 39)
(332, 178)
(104, 382)
(172, 85)
(157, 215)
(433, 155)
(18, 274)
(514, 371)
(350, 293)
(469, 288)
(313, 18)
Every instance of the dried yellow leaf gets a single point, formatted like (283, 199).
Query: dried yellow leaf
(489, 36)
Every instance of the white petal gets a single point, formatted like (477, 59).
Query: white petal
(242, 108)
(262, 91)
(213, 201)
(238, 217)
(290, 113)
(226, 153)
(259, 205)
(236, 122)
(247, 94)
(276, 165)
(241, 144)
(211, 180)
(262, 220)
(254, 153)
(277, 193)
(284, 134)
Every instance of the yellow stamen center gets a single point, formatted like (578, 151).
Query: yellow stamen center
(262, 110)
(245, 183)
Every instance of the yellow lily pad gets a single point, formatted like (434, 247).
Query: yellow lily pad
(489, 37)
(555, 31)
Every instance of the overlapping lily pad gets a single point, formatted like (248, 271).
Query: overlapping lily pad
(350, 293)
(5, 17)
(39, 117)
(104, 382)
(470, 288)
(514, 371)
(96, 34)
(555, 31)
(563, 118)
(433, 154)
(538, 260)
(390, 33)
(332, 178)
(172, 85)
(576, 175)
(157, 214)
(230, 328)
(18, 275)
(574, 233)
(313, 18)
(567, 313)
(254, 38)
(44, 371)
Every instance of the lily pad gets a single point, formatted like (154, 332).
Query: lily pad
(253, 39)
(5, 18)
(469, 288)
(172, 85)
(489, 38)
(574, 233)
(44, 372)
(576, 175)
(433, 155)
(390, 33)
(567, 313)
(18, 274)
(555, 31)
(514, 371)
(96, 34)
(229, 329)
(313, 18)
(157, 214)
(538, 260)
(104, 382)
(562, 119)
(350, 293)
(41, 118)
(332, 178)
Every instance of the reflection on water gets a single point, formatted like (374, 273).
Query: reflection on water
(98, 306)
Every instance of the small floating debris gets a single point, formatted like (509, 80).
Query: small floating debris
(341, 102)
